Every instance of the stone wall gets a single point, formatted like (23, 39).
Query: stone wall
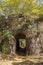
(36, 38)
(32, 30)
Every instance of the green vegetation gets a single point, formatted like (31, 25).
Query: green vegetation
(22, 43)
(27, 7)
(7, 34)
(5, 49)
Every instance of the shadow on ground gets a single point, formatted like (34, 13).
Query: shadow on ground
(27, 63)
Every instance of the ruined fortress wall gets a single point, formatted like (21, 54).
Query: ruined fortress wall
(33, 32)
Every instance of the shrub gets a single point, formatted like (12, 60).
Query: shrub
(5, 48)
(7, 34)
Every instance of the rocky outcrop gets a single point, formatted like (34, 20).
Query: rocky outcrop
(33, 30)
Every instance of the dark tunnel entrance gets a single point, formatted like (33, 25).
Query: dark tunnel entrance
(21, 44)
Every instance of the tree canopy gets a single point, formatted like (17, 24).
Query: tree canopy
(28, 7)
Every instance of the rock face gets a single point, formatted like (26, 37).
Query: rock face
(21, 27)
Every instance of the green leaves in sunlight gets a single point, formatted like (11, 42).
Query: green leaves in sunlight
(25, 6)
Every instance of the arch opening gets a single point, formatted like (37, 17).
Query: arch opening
(21, 44)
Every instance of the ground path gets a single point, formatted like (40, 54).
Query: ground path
(18, 60)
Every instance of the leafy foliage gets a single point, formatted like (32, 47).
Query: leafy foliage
(22, 43)
(5, 48)
(7, 34)
(24, 6)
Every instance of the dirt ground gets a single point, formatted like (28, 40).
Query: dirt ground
(20, 60)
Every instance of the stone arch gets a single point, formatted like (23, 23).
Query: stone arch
(19, 50)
